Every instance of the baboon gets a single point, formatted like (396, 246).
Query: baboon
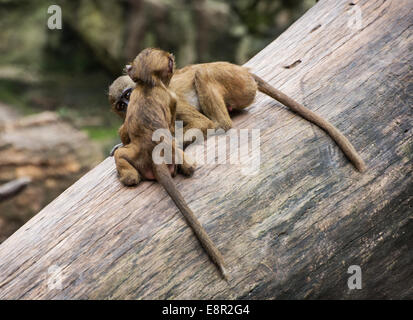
(207, 93)
(152, 107)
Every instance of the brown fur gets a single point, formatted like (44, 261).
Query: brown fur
(152, 106)
(152, 66)
(222, 87)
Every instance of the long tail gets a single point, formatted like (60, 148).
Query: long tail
(163, 176)
(307, 114)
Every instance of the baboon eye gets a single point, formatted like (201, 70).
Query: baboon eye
(127, 94)
(121, 106)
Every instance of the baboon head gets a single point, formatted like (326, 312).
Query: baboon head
(151, 66)
(119, 94)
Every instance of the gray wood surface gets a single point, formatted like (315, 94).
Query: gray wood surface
(290, 231)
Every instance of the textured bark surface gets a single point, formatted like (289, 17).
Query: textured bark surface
(290, 231)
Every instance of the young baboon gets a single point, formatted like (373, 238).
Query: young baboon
(119, 92)
(217, 88)
(152, 107)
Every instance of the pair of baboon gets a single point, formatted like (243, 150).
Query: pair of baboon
(153, 95)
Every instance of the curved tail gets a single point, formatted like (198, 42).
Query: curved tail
(307, 114)
(163, 176)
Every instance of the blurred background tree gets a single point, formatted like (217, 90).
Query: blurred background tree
(69, 70)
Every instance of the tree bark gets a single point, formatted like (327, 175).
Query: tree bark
(290, 231)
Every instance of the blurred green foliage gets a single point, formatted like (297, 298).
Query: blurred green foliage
(69, 70)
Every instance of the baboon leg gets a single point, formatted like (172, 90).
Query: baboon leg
(124, 157)
(192, 118)
(212, 102)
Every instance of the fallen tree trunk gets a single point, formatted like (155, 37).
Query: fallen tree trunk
(290, 231)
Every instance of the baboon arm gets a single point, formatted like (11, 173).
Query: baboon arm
(124, 135)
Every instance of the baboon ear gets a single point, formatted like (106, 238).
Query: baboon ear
(171, 64)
